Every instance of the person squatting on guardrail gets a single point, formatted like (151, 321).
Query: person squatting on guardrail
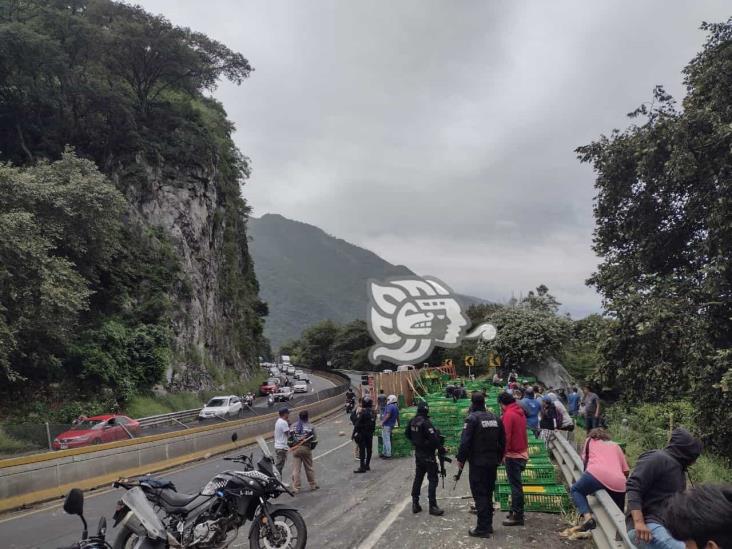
(605, 469)
(426, 440)
(303, 441)
(702, 517)
(389, 418)
(483, 445)
(658, 475)
(281, 437)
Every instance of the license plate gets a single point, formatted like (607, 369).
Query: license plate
(64, 446)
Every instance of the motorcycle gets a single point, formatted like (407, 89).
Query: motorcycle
(350, 405)
(74, 505)
(249, 400)
(270, 400)
(211, 519)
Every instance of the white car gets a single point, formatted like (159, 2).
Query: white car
(300, 386)
(221, 406)
(290, 369)
(285, 393)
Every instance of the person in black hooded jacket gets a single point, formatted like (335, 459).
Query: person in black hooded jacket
(657, 476)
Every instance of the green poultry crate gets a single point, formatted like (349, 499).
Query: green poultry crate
(535, 473)
(541, 499)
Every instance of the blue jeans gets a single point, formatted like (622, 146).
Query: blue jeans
(591, 422)
(386, 438)
(586, 485)
(661, 538)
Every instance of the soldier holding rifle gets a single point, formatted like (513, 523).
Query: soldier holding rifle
(426, 440)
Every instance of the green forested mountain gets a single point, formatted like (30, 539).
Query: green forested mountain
(124, 259)
(307, 275)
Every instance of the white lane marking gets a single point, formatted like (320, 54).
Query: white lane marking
(371, 541)
(332, 450)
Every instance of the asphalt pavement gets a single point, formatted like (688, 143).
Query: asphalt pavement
(349, 511)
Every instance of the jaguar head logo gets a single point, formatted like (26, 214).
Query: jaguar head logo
(409, 316)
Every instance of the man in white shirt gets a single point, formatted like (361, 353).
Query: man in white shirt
(281, 437)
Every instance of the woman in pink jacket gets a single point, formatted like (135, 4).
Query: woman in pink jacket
(605, 469)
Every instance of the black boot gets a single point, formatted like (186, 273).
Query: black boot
(474, 532)
(514, 520)
(436, 511)
(360, 470)
(416, 507)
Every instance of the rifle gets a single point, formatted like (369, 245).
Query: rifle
(457, 478)
(442, 455)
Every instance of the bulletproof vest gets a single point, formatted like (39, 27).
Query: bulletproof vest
(484, 448)
(421, 437)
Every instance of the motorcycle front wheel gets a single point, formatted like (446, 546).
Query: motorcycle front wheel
(287, 532)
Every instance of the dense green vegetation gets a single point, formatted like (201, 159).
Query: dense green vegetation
(645, 426)
(102, 103)
(664, 231)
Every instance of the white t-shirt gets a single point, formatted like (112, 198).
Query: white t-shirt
(281, 434)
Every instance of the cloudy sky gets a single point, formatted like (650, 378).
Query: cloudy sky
(440, 135)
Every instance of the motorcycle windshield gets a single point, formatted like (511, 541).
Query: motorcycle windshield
(136, 501)
(263, 446)
(268, 458)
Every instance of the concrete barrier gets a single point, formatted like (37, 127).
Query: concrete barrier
(33, 479)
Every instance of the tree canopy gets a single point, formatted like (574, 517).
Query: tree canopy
(664, 231)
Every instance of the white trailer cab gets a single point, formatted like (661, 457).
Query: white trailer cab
(285, 359)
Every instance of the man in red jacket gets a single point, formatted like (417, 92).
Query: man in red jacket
(517, 454)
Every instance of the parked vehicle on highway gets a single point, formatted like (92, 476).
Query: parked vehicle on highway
(290, 369)
(299, 374)
(221, 406)
(97, 430)
(300, 387)
(74, 505)
(269, 386)
(284, 394)
(212, 518)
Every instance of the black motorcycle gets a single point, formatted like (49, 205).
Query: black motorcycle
(350, 405)
(74, 505)
(211, 519)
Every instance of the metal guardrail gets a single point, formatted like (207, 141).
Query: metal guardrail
(181, 417)
(610, 532)
(172, 417)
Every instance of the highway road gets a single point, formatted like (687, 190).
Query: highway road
(349, 511)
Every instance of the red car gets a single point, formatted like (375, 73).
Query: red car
(270, 386)
(97, 430)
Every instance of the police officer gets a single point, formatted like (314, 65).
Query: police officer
(426, 440)
(482, 444)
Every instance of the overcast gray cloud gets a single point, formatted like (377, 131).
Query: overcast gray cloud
(441, 134)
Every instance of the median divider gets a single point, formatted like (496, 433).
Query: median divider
(40, 477)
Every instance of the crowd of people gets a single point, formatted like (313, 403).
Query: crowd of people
(660, 512)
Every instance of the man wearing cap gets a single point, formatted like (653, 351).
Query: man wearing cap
(426, 440)
(482, 444)
(388, 421)
(281, 438)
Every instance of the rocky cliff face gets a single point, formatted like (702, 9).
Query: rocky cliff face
(193, 209)
(551, 373)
